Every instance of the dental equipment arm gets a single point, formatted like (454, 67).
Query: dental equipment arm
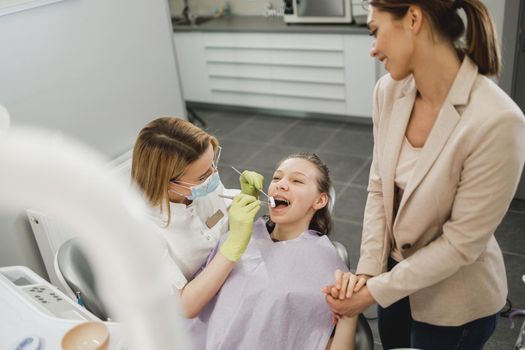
(71, 182)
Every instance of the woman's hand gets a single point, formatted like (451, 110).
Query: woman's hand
(359, 302)
(346, 284)
(361, 281)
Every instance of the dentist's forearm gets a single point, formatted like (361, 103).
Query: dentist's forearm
(199, 291)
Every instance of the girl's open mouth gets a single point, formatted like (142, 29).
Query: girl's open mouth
(281, 203)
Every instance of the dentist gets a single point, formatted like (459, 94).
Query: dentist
(174, 163)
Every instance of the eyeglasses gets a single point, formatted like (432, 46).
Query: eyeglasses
(214, 167)
(217, 157)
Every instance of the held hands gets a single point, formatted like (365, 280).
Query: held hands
(345, 285)
(349, 296)
(251, 182)
(241, 216)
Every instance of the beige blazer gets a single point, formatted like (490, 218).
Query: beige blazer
(460, 189)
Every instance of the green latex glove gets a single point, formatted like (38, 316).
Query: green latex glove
(251, 183)
(241, 216)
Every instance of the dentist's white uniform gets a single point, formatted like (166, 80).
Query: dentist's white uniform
(187, 241)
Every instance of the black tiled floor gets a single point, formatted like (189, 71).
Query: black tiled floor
(221, 124)
(515, 266)
(236, 153)
(339, 187)
(349, 234)
(342, 167)
(511, 233)
(258, 142)
(351, 140)
(518, 205)
(361, 178)
(351, 204)
(260, 130)
(269, 155)
(308, 135)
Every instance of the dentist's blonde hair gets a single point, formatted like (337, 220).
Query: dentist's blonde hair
(162, 152)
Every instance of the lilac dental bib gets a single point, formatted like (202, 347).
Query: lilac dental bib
(272, 299)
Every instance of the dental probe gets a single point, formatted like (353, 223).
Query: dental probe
(271, 199)
(231, 197)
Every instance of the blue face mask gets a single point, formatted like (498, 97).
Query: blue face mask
(205, 188)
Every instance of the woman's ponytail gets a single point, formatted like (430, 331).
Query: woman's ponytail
(481, 41)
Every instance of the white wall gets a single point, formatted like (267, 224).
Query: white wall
(94, 69)
(497, 8)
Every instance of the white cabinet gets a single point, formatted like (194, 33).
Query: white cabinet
(360, 75)
(191, 61)
(322, 73)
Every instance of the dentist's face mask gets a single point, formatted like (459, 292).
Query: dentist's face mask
(203, 189)
(209, 185)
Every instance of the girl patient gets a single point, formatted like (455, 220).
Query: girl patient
(272, 299)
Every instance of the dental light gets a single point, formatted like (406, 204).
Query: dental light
(72, 183)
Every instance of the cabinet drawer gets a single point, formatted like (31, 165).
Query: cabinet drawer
(280, 102)
(279, 88)
(284, 73)
(305, 58)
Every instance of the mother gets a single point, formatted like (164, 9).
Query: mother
(449, 150)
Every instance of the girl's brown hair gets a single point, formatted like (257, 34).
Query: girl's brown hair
(322, 220)
(481, 41)
(163, 150)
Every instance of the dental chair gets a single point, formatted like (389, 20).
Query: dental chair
(73, 270)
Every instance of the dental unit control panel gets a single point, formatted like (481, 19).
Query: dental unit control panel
(46, 298)
(32, 308)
